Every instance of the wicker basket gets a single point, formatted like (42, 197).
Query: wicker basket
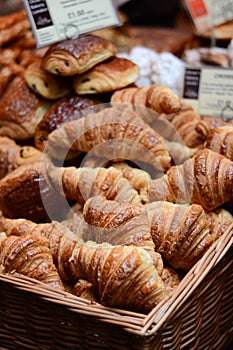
(197, 316)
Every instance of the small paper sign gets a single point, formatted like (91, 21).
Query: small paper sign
(209, 91)
(206, 14)
(56, 20)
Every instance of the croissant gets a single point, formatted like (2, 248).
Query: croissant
(180, 232)
(61, 111)
(159, 98)
(221, 140)
(186, 122)
(20, 110)
(110, 75)
(219, 220)
(207, 124)
(30, 256)
(117, 224)
(113, 269)
(205, 179)
(113, 133)
(75, 56)
(45, 84)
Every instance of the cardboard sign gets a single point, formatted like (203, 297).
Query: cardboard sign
(56, 20)
(205, 14)
(209, 91)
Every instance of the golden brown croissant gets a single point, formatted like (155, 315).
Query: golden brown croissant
(221, 140)
(30, 256)
(20, 110)
(181, 233)
(219, 220)
(113, 269)
(110, 75)
(45, 84)
(117, 224)
(186, 122)
(159, 98)
(113, 133)
(205, 179)
(75, 56)
(61, 111)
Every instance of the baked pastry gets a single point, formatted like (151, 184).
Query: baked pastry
(204, 179)
(12, 26)
(111, 269)
(158, 98)
(45, 84)
(13, 155)
(65, 109)
(118, 224)
(114, 133)
(20, 110)
(221, 140)
(75, 56)
(180, 232)
(30, 256)
(113, 74)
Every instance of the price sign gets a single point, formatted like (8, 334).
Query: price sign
(56, 20)
(206, 14)
(209, 91)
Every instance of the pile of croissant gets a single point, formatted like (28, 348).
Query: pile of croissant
(113, 202)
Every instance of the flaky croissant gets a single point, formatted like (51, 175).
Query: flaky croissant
(205, 179)
(186, 122)
(159, 98)
(114, 269)
(117, 223)
(114, 133)
(30, 256)
(221, 140)
(181, 233)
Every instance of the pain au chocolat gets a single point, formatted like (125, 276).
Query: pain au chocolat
(110, 75)
(76, 56)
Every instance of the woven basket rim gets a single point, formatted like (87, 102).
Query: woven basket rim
(133, 322)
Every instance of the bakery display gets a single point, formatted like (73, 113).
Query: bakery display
(147, 189)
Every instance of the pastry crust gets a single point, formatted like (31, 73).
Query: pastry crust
(20, 110)
(60, 112)
(76, 56)
(111, 75)
(45, 84)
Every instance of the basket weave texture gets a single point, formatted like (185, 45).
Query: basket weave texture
(198, 315)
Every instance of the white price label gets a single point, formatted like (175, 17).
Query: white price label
(56, 20)
(210, 91)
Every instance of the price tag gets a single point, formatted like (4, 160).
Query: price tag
(56, 20)
(209, 91)
(205, 14)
